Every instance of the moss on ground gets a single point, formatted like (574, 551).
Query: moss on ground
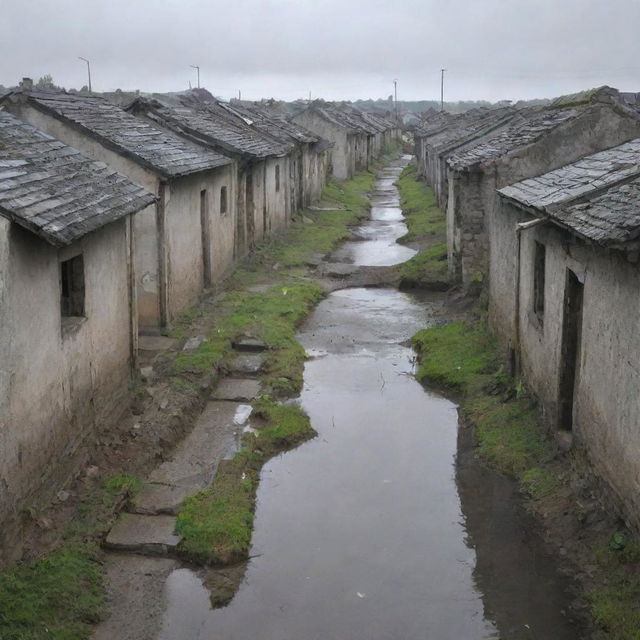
(423, 217)
(427, 268)
(426, 229)
(511, 438)
(58, 596)
(216, 524)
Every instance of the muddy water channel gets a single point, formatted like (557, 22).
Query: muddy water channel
(379, 528)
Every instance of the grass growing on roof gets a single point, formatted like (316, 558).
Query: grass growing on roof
(58, 596)
(216, 524)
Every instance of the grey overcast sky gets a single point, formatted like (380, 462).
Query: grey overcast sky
(335, 49)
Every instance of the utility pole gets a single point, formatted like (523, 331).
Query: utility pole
(395, 97)
(239, 95)
(197, 68)
(442, 89)
(88, 70)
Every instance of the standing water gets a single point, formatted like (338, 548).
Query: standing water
(360, 533)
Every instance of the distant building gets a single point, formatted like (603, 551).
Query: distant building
(356, 137)
(308, 157)
(185, 242)
(537, 140)
(260, 162)
(565, 303)
(68, 326)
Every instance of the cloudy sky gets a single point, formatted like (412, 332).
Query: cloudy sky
(336, 49)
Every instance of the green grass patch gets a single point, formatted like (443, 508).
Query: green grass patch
(427, 268)
(58, 596)
(509, 432)
(216, 524)
(423, 217)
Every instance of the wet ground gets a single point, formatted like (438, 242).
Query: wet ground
(378, 529)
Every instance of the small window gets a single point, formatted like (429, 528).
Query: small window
(277, 178)
(538, 279)
(223, 199)
(72, 287)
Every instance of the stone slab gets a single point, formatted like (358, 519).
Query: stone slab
(155, 499)
(156, 343)
(237, 389)
(249, 363)
(148, 535)
(194, 460)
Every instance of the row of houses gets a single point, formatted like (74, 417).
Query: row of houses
(113, 221)
(543, 206)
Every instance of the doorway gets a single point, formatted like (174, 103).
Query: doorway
(570, 350)
(205, 228)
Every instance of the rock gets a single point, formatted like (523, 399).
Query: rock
(148, 535)
(146, 373)
(91, 471)
(564, 440)
(193, 343)
(307, 220)
(63, 495)
(247, 364)
(164, 403)
(237, 390)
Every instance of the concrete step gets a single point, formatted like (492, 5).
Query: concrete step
(193, 464)
(146, 535)
(237, 390)
(247, 364)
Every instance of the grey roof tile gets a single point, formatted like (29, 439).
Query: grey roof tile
(215, 124)
(159, 150)
(54, 190)
(597, 196)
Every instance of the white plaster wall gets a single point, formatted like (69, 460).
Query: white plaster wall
(341, 155)
(60, 386)
(606, 409)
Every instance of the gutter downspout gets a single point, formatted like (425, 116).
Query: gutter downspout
(520, 227)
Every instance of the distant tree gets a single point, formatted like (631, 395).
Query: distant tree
(46, 82)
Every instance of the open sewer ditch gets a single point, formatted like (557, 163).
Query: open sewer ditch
(385, 526)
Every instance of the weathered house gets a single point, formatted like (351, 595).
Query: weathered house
(260, 163)
(540, 139)
(443, 137)
(565, 303)
(185, 242)
(67, 309)
(308, 155)
(352, 141)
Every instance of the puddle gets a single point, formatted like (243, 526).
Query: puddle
(376, 530)
(376, 244)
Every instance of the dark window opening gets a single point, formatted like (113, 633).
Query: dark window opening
(538, 279)
(277, 178)
(223, 199)
(72, 287)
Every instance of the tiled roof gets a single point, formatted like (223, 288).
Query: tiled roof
(579, 178)
(610, 180)
(610, 219)
(293, 130)
(159, 150)
(469, 126)
(215, 124)
(55, 191)
(530, 126)
(267, 123)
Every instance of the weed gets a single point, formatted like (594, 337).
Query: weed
(57, 596)
(426, 269)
